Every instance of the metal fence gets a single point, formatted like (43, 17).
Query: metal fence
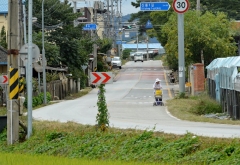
(223, 80)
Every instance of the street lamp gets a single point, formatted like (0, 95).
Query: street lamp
(43, 56)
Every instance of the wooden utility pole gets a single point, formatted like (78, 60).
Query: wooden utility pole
(13, 47)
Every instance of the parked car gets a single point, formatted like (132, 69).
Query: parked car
(116, 62)
(138, 56)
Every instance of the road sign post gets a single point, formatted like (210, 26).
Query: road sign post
(101, 77)
(90, 27)
(154, 6)
(181, 6)
(4, 79)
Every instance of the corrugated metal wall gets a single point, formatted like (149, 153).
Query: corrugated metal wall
(223, 80)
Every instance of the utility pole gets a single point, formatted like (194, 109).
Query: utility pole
(108, 21)
(29, 68)
(43, 59)
(94, 37)
(120, 19)
(198, 5)
(112, 22)
(118, 26)
(13, 58)
(147, 49)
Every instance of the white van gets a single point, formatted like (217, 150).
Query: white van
(138, 56)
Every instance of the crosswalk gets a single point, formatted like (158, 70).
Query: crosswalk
(129, 103)
(138, 97)
(141, 69)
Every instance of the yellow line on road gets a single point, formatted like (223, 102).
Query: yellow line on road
(169, 92)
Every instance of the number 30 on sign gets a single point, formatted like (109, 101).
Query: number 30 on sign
(180, 6)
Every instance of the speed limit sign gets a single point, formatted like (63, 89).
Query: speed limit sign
(180, 6)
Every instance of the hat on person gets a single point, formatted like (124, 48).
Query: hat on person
(157, 80)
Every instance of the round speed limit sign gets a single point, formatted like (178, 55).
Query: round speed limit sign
(180, 6)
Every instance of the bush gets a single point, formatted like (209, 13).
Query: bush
(38, 100)
(83, 80)
(206, 105)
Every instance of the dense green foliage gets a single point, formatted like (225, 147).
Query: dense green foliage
(126, 53)
(51, 50)
(208, 33)
(206, 105)
(38, 100)
(3, 37)
(230, 7)
(65, 44)
(103, 115)
(104, 45)
(129, 145)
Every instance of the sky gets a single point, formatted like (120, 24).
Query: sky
(127, 8)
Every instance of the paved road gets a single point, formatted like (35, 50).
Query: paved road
(130, 100)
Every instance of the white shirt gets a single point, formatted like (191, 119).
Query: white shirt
(157, 86)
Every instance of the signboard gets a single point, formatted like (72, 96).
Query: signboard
(101, 77)
(180, 6)
(24, 53)
(148, 25)
(90, 27)
(120, 42)
(154, 6)
(127, 34)
(4, 79)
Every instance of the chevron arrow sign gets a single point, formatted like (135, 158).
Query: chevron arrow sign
(101, 77)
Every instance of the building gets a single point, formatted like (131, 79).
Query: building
(3, 60)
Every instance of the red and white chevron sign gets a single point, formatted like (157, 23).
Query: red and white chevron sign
(101, 77)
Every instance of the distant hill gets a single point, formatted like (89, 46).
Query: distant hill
(126, 18)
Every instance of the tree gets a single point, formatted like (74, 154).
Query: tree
(52, 50)
(73, 44)
(208, 33)
(3, 39)
(104, 45)
(229, 7)
(126, 53)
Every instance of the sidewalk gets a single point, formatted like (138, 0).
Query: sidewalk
(175, 86)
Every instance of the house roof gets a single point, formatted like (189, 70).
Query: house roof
(3, 6)
(3, 56)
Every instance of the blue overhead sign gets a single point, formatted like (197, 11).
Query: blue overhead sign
(120, 42)
(148, 25)
(154, 6)
(90, 27)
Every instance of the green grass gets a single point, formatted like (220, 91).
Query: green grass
(84, 142)
(53, 142)
(27, 159)
(193, 108)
